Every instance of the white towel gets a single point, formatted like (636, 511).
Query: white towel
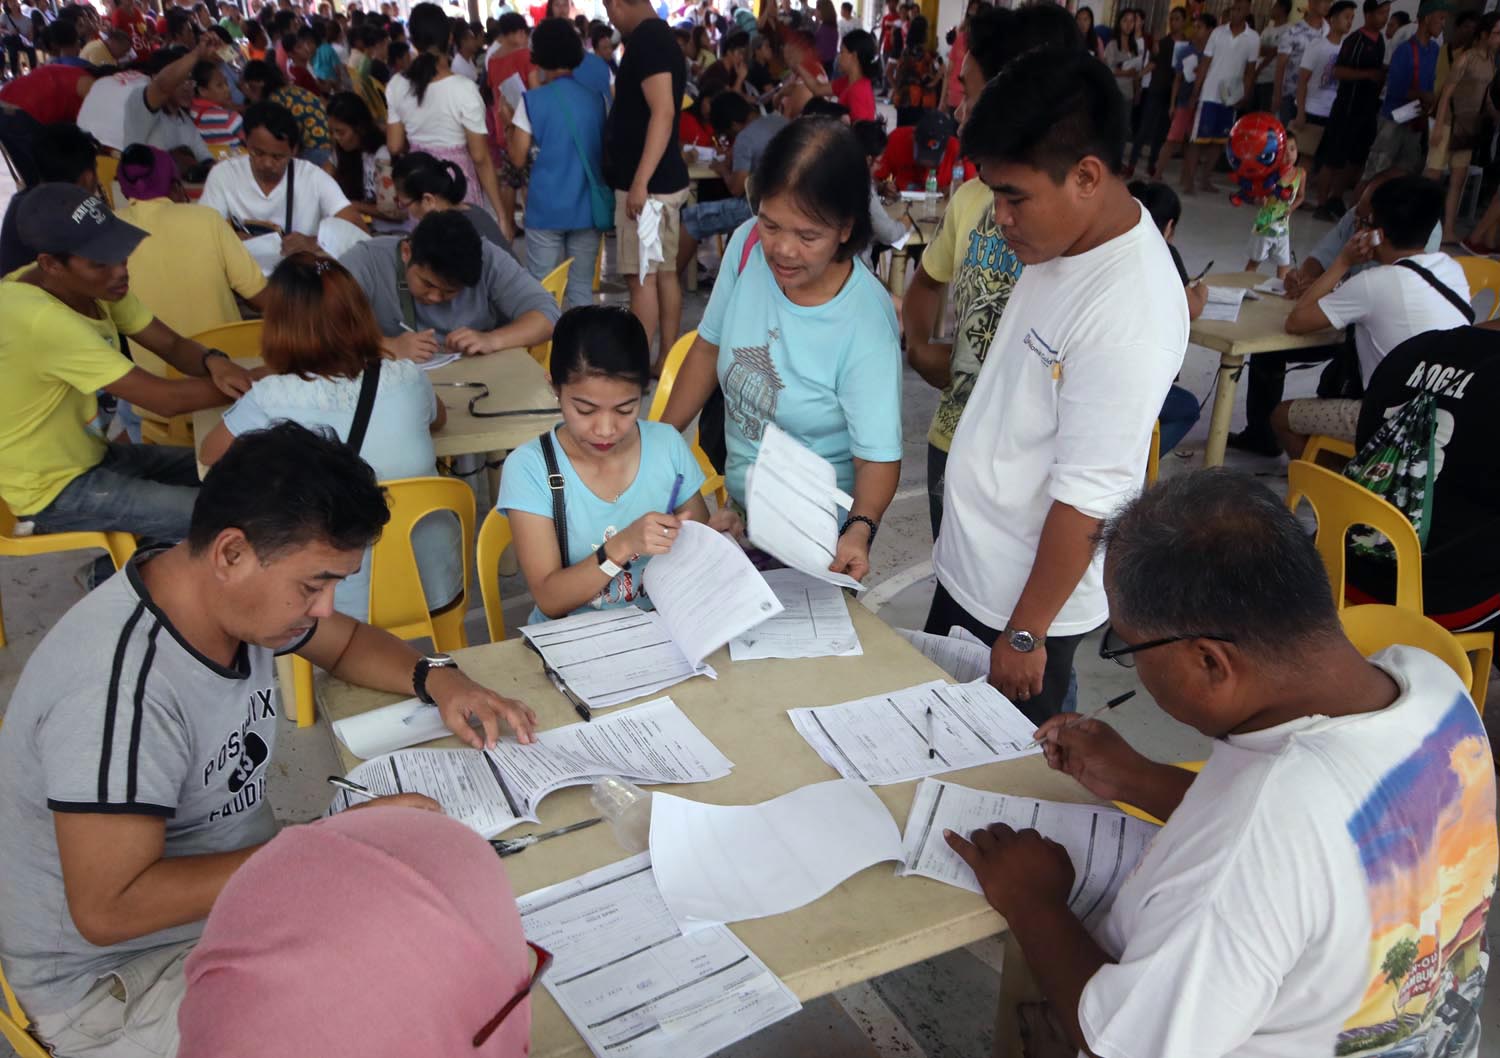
(648, 228)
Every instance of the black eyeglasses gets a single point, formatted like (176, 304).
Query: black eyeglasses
(1114, 648)
(543, 960)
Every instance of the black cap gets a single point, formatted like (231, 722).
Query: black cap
(66, 219)
(930, 138)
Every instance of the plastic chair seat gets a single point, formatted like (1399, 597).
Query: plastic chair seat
(555, 284)
(1483, 276)
(119, 546)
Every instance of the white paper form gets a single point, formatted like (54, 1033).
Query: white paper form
(1104, 843)
(493, 790)
(612, 656)
(389, 728)
(632, 984)
(960, 653)
(1223, 304)
(707, 591)
(883, 739)
(513, 88)
(813, 622)
(792, 502)
(727, 863)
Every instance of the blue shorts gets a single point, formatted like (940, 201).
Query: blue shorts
(1214, 122)
(721, 217)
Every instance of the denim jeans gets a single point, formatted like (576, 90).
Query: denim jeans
(545, 250)
(147, 490)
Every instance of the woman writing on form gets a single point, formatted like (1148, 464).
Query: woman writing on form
(800, 333)
(627, 483)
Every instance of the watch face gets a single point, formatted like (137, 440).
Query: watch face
(440, 660)
(1024, 642)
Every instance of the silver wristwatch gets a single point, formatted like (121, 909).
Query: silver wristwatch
(1022, 642)
(424, 666)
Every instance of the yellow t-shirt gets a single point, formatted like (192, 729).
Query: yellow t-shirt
(969, 253)
(53, 359)
(97, 52)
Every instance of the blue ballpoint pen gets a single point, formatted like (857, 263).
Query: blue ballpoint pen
(676, 491)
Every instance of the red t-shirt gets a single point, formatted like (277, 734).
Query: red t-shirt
(49, 93)
(899, 162)
(302, 77)
(859, 97)
(132, 22)
(693, 133)
(888, 24)
(500, 68)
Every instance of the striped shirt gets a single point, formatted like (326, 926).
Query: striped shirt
(116, 713)
(218, 126)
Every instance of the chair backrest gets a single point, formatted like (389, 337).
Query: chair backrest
(669, 370)
(1373, 627)
(1153, 455)
(494, 538)
(120, 546)
(108, 167)
(1483, 276)
(555, 284)
(1339, 504)
(240, 340)
(396, 600)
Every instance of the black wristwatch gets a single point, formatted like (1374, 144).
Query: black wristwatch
(426, 665)
(853, 518)
(212, 352)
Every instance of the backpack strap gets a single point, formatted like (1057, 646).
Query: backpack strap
(1442, 288)
(403, 294)
(750, 244)
(366, 406)
(559, 507)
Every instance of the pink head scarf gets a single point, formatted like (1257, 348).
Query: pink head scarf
(385, 931)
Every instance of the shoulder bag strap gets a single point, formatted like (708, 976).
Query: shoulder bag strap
(291, 187)
(559, 507)
(362, 410)
(403, 293)
(595, 183)
(1442, 288)
(750, 241)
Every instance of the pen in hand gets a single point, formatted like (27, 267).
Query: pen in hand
(676, 493)
(1106, 707)
(1199, 277)
(931, 735)
(353, 789)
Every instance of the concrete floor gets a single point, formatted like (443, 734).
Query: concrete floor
(942, 1008)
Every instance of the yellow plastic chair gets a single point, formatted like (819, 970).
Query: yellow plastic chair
(396, 600)
(1372, 627)
(494, 538)
(241, 341)
(713, 481)
(1193, 766)
(1153, 455)
(108, 167)
(1318, 444)
(555, 284)
(1483, 276)
(119, 546)
(1341, 504)
(599, 265)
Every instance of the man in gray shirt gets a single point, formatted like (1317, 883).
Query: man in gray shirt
(442, 287)
(135, 750)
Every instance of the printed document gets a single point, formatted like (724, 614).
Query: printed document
(792, 504)
(707, 591)
(1104, 843)
(629, 980)
(960, 653)
(1223, 304)
(389, 728)
(885, 738)
(495, 789)
(813, 623)
(725, 863)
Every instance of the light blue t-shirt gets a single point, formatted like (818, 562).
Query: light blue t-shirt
(829, 375)
(398, 444)
(591, 520)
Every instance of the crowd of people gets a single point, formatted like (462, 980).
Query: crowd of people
(382, 190)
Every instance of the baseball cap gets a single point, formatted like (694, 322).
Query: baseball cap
(930, 138)
(1432, 7)
(64, 218)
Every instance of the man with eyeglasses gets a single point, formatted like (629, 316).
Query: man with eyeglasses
(1321, 886)
(271, 189)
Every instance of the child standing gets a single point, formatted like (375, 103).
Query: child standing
(1271, 236)
(1187, 59)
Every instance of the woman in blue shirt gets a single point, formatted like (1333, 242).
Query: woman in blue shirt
(620, 474)
(800, 333)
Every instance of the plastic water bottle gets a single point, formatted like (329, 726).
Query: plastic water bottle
(932, 193)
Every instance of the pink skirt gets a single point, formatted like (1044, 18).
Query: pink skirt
(459, 156)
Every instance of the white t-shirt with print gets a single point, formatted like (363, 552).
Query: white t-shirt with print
(1270, 44)
(1318, 59)
(1062, 411)
(1230, 55)
(1390, 303)
(449, 108)
(1318, 877)
(232, 191)
(1293, 44)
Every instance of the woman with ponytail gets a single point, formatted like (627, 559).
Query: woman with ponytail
(425, 184)
(433, 110)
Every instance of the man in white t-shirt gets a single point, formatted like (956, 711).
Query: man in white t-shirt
(251, 192)
(1316, 86)
(1321, 887)
(129, 108)
(1408, 292)
(1225, 86)
(1055, 434)
(1289, 51)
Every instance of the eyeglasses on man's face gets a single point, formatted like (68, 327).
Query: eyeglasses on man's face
(1113, 646)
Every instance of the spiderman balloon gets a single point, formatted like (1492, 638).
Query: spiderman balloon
(1257, 154)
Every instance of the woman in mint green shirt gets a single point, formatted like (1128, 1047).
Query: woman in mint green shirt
(800, 333)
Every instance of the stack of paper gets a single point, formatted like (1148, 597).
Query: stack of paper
(390, 728)
(884, 738)
(1223, 304)
(1272, 286)
(717, 863)
(792, 503)
(640, 988)
(814, 622)
(1104, 843)
(705, 591)
(960, 653)
(495, 789)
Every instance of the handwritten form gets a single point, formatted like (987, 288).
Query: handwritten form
(1104, 843)
(792, 502)
(611, 656)
(883, 739)
(813, 623)
(707, 591)
(495, 789)
(960, 653)
(1223, 304)
(725, 863)
(632, 984)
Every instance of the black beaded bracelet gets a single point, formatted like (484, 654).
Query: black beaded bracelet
(203, 363)
(860, 518)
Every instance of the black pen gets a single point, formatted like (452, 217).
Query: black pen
(1106, 707)
(1199, 277)
(578, 704)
